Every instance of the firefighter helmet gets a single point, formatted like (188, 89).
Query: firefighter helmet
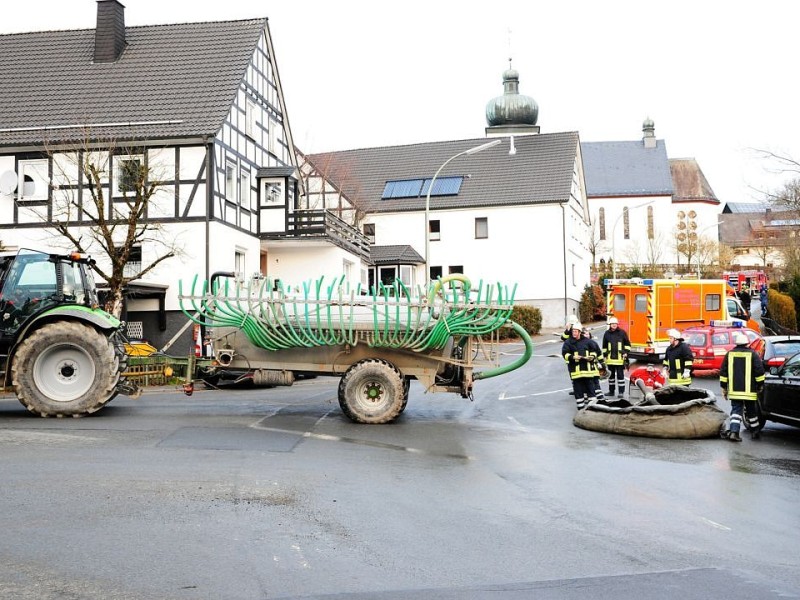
(674, 333)
(740, 339)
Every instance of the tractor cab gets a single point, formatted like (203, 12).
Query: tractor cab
(32, 281)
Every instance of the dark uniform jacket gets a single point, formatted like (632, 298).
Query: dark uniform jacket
(572, 349)
(678, 358)
(742, 374)
(615, 344)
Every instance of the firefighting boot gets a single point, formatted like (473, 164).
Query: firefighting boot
(755, 434)
(735, 437)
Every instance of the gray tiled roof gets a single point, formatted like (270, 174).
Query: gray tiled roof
(626, 169)
(187, 74)
(539, 173)
(743, 207)
(384, 255)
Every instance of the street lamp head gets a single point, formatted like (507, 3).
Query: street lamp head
(482, 147)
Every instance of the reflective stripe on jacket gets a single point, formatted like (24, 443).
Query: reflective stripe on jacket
(615, 344)
(678, 358)
(742, 373)
(572, 350)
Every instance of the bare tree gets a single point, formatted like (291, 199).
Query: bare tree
(325, 182)
(707, 257)
(655, 250)
(725, 256)
(105, 210)
(762, 248)
(633, 255)
(595, 243)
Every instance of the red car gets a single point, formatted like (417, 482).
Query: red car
(710, 343)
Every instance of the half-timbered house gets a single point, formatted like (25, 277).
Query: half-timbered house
(200, 107)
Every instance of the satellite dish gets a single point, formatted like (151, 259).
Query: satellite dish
(8, 182)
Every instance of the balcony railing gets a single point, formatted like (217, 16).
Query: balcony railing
(326, 225)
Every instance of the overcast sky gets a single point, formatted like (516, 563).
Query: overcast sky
(717, 78)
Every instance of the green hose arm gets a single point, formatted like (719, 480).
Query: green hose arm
(517, 363)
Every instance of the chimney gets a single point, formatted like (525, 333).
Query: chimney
(109, 37)
(649, 130)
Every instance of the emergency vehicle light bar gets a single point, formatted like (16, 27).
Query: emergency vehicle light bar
(633, 280)
(729, 323)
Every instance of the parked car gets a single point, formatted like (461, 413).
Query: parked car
(780, 401)
(710, 343)
(777, 348)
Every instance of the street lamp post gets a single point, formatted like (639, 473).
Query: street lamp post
(717, 224)
(614, 236)
(474, 150)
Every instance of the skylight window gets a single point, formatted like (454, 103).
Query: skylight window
(414, 188)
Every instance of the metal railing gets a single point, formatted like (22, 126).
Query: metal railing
(323, 223)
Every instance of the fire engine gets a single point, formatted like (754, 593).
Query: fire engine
(751, 278)
(648, 308)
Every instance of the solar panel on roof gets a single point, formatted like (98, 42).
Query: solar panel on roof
(443, 186)
(414, 188)
(409, 188)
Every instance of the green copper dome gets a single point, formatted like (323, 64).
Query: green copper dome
(512, 108)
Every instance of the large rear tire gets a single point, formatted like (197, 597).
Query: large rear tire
(65, 368)
(372, 391)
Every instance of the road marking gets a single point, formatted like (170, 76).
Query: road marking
(515, 422)
(715, 524)
(503, 396)
(349, 440)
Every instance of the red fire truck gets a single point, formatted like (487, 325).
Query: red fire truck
(751, 278)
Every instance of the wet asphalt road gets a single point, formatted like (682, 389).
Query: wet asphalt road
(274, 494)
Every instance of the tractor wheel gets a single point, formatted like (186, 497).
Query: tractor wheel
(65, 369)
(372, 391)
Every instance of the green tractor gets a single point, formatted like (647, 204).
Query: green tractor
(61, 353)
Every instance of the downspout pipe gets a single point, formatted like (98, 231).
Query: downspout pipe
(564, 249)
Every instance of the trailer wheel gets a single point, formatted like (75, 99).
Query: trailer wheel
(406, 389)
(65, 369)
(372, 391)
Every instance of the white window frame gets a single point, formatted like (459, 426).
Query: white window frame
(119, 160)
(273, 192)
(231, 182)
(347, 269)
(370, 236)
(250, 119)
(245, 191)
(38, 171)
(481, 227)
(407, 276)
(240, 263)
(272, 135)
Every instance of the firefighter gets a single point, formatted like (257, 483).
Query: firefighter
(568, 331)
(744, 298)
(597, 365)
(678, 360)
(577, 353)
(741, 378)
(616, 346)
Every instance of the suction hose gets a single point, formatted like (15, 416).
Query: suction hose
(517, 363)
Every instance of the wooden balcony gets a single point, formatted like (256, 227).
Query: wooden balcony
(323, 224)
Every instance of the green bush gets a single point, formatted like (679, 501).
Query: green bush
(527, 317)
(592, 306)
(781, 309)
